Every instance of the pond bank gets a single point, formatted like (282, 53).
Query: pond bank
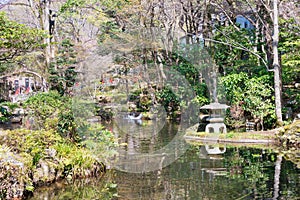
(33, 158)
(253, 137)
(285, 136)
(284, 140)
(229, 141)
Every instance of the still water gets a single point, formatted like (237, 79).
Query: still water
(201, 172)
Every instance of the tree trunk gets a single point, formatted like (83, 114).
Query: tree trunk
(206, 23)
(43, 8)
(276, 65)
(45, 27)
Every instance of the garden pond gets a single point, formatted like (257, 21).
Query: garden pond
(205, 171)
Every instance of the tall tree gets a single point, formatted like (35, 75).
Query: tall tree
(264, 15)
(276, 64)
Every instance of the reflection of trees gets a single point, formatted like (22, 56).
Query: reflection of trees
(263, 173)
(277, 176)
(104, 189)
(292, 155)
(290, 175)
(251, 175)
(255, 167)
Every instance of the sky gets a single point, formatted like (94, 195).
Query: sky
(3, 2)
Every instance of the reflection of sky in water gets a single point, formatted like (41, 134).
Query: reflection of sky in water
(149, 147)
(146, 138)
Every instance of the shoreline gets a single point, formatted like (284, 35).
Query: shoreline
(286, 136)
(252, 137)
(230, 141)
(31, 159)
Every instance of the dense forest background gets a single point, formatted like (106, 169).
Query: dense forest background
(252, 46)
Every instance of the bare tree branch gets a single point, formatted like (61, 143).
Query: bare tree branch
(241, 48)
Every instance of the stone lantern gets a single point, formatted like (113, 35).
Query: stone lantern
(216, 118)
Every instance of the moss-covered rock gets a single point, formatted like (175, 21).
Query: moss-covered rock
(290, 135)
(31, 158)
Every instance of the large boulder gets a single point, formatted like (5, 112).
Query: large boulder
(46, 172)
(14, 177)
(290, 135)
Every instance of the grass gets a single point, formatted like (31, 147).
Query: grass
(255, 135)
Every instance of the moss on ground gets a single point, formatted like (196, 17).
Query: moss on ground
(289, 135)
(30, 158)
(254, 135)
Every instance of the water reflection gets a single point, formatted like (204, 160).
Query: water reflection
(240, 173)
(213, 149)
(149, 147)
(202, 172)
(78, 190)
